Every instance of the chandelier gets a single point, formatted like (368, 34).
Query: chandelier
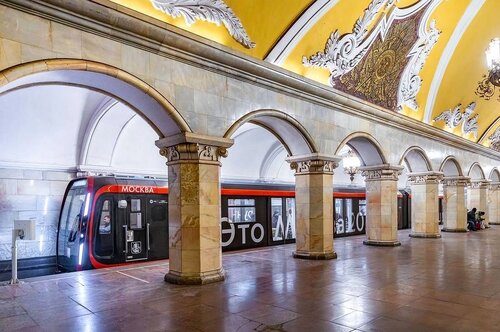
(486, 88)
(351, 164)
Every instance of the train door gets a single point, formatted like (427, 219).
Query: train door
(349, 216)
(282, 220)
(243, 222)
(134, 241)
(157, 226)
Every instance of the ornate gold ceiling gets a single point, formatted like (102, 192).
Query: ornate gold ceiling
(423, 58)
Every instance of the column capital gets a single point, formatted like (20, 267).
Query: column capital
(416, 178)
(314, 163)
(185, 147)
(480, 184)
(495, 186)
(456, 181)
(381, 172)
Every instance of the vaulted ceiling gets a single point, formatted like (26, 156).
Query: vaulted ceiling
(418, 57)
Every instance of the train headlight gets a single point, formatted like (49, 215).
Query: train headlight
(80, 254)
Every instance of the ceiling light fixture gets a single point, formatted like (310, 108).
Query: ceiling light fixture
(487, 87)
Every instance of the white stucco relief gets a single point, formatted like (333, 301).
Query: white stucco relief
(454, 117)
(213, 11)
(495, 140)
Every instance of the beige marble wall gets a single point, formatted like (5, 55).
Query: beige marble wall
(381, 204)
(494, 204)
(454, 209)
(216, 99)
(477, 197)
(425, 204)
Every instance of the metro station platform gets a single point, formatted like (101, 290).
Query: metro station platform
(447, 284)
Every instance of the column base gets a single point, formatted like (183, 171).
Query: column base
(195, 279)
(394, 243)
(494, 223)
(454, 230)
(315, 255)
(426, 236)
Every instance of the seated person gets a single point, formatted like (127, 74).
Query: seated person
(105, 226)
(471, 219)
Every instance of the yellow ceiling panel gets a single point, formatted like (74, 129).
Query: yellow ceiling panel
(447, 15)
(264, 21)
(466, 67)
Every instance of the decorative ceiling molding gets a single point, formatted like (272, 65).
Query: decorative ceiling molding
(454, 117)
(298, 30)
(342, 54)
(213, 11)
(448, 52)
(411, 82)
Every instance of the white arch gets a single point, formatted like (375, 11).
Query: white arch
(297, 31)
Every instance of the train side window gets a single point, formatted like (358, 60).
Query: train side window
(105, 219)
(135, 214)
(241, 210)
(159, 213)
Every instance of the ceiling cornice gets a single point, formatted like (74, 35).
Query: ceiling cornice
(112, 21)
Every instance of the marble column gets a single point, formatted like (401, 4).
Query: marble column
(381, 204)
(195, 255)
(314, 205)
(454, 208)
(477, 197)
(425, 204)
(494, 204)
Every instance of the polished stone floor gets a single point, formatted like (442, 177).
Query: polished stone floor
(448, 284)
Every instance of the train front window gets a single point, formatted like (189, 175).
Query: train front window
(241, 210)
(73, 215)
(105, 219)
(135, 213)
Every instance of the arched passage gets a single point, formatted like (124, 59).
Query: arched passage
(451, 167)
(313, 226)
(381, 189)
(416, 159)
(494, 197)
(454, 189)
(120, 85)
(367, 148)
(494, 175)
(288, 130)
(476, 172)
(50, 117)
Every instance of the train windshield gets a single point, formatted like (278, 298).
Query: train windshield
(69, 221)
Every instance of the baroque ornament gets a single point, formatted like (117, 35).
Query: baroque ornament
(343, 53)
(454, 117)
(213, 11)
(410, 81)
(495, 140)
(313, 166)
(193, 151)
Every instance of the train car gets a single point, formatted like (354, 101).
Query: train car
(349, 212)
(257, 216)
(109, 220)
(106, 221)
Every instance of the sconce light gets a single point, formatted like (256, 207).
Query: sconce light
(351, 164)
